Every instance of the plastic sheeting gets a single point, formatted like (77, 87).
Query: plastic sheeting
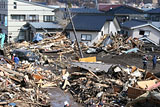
(37, 37)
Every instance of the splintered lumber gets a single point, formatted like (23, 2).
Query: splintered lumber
(93, 74)
(10, 71)
(100, 41)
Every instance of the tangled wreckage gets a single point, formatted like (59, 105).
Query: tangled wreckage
(89, 81)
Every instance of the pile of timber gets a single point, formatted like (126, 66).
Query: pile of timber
(120, 44)
(58, 43)
(25, 86)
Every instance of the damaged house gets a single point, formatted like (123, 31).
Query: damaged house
(141, 29)
(90, 27)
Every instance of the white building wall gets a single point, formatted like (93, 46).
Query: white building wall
(112, 28)
(79, 33)
(154, 34)
(23, 8)
(106, 26)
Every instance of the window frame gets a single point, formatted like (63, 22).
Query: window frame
(33, 18)
(50, 17)
(18, 17)
(86, 38)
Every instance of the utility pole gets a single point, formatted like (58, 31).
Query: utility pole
(75, 34)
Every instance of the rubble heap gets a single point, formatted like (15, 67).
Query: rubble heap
(58, 43)
(117, 44)
(116, 87)
(25, 86)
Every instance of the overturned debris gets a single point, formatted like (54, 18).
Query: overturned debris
(114, 86)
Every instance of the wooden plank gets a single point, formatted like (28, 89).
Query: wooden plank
(88, 59)
(10, 71)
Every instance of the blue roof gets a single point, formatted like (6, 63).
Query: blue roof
(45, 25)
(84, 22)
(125, 10)
(133, 23)
(153, 11)
(82, 10)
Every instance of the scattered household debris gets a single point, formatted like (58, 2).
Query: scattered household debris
(25, 86)
(114, 85)
(91, 82)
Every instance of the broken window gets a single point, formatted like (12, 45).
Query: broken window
(141, 32)
(86, 37)
(144, 33)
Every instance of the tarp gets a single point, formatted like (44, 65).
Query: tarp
(37, 37)
(2, 37)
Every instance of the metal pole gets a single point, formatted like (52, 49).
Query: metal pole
(75, 34)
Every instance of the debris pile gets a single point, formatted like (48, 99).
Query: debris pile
(115, 87)
(120, 44)
(24, 86)
(117, 44)
(56, 44)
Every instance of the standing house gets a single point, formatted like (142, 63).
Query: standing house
(43, 28)
(141, 29)
(91, 27)
(62, 17)
(154, 14)
(16, 13)
(124, 13)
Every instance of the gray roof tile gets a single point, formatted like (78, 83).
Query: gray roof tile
(84, 22)
(133, 23)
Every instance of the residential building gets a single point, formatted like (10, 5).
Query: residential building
(154, 14)
(91, 27)
(16, 13)
(141, 29)
(124, 13)
(49, 28)
(61, 14)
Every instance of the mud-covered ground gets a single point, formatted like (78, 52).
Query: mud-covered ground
(132, 59)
